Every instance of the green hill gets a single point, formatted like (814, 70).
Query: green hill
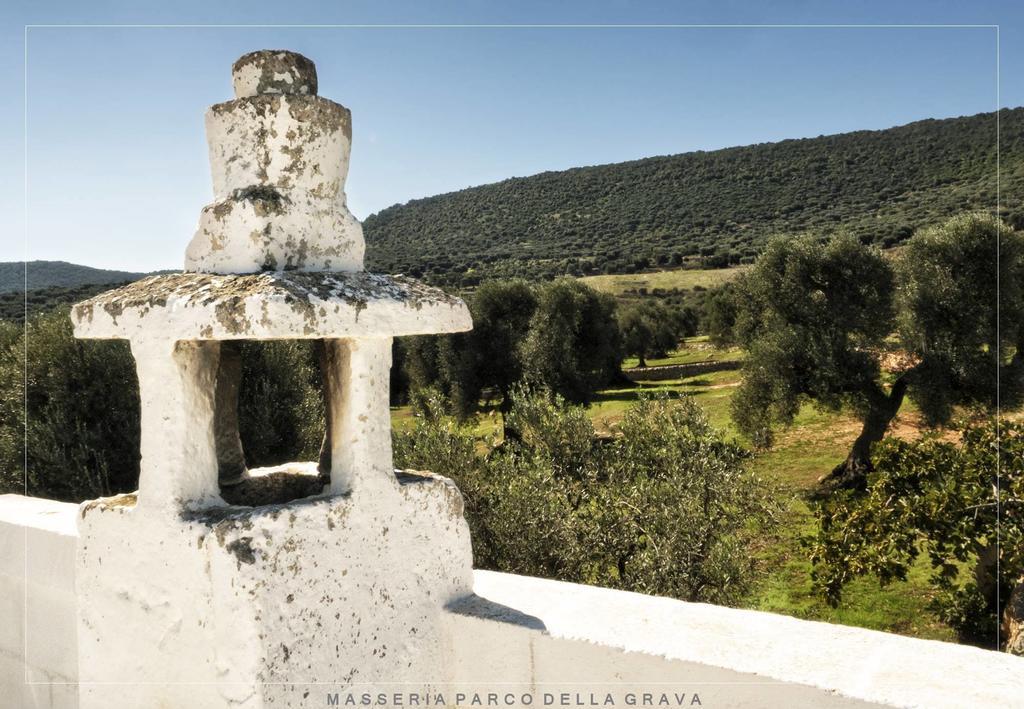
(50, 274)
(705, 208)
(14, 304)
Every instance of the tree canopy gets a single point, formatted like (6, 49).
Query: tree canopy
(817, 318)
(563, 336)
(961, 311)
(488, 357)
(573, 346)
(651, 329)
(811, 316)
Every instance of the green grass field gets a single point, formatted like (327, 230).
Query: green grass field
(683, 279)
(695, 349)
(812, 446)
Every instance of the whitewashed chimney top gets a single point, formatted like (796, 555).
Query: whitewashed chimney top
(279, 157)
(273, 71)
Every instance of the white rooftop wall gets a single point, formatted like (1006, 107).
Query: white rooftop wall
(38, 615)
(526, 635)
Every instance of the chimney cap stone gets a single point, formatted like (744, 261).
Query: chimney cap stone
(273, 71)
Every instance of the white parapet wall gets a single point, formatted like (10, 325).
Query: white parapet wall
(552, 638)
(561, 644)
(38, 612)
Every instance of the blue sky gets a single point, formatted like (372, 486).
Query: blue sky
(117, 167)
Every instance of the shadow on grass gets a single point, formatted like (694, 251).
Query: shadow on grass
(673, 389)
(626, 395)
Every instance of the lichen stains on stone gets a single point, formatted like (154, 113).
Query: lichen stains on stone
(269, 262)
(243, 550)
(226, 298)
(324, 190)
(317, 115)
(321, 114)
(222, 209)
(83, 312)
(108, 503)
(114, 310)
(266, 200)
(230, 314)
(279, 71)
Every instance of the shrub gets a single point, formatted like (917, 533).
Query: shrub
(938, 498)
(666, 507)
(80, 411)
(280, 404)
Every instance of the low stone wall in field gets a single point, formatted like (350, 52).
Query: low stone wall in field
(679, 371)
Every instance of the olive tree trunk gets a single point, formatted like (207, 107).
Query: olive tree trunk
(508, 432)
(986, 576)
(324, 363)
(1013, 620)
(853, 471)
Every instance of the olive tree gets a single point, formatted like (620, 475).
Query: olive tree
(812, 317)
(649, 329)
(718, 319)
(573, 346)
(69, 428)
(817, 317)
(484, 362)
(562, 336)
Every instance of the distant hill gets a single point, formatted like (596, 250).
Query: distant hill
(14, 304)
(705, 208)
(49, 274)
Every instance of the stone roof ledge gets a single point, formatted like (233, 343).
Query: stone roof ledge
(270, 305)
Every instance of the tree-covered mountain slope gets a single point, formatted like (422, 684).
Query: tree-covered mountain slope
(49, 274)
(715, 208)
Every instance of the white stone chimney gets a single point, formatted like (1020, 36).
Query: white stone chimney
(216, 585)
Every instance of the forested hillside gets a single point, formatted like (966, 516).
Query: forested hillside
(708, 208)
(15, 304)
(49, 274)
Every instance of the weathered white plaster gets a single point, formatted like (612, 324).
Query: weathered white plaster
(176, 391)
(245, 234)
(358, 394)
(255, 607)
(296, 143)
(185, 600)
(271, 71)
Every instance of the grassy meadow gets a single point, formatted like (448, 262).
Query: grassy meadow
(627, 284)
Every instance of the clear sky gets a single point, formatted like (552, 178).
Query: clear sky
(117, 166)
